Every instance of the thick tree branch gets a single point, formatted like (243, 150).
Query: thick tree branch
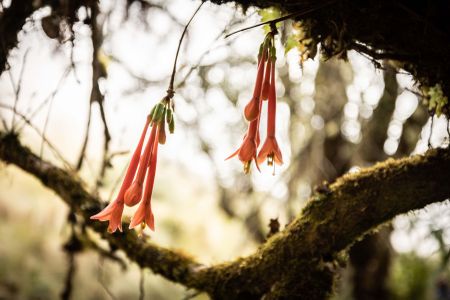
(172, 265)
(301, 253)
(331, 222)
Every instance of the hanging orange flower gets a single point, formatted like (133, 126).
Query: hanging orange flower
(134, 192)
(252, 109)
(270, 149)
(130, 192)
(264, 89)
(144, 212)
(113, 212)
(247, 151)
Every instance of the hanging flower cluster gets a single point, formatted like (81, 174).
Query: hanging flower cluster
(264, 90)
(142, 168)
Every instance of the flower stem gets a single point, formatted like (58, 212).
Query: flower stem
(170, 90)
(284, 18)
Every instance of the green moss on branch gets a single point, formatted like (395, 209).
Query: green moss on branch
(298, 260)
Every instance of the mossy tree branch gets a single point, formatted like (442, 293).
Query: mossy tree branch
(174, 266)
(300, 256)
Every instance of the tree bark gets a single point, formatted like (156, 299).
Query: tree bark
(300, 256)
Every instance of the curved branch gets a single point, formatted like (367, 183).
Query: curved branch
(331, 222)
(301, 253)
(170, 264)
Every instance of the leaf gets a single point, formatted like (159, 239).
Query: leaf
(268, 14)
(436, 99)
(103, 59)
(291, 42)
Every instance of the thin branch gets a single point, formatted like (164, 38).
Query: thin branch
(431, 132)
(96, 96)
(48, 99)
(170, 90)
(17, 87)
(141, 285)
(298, 14)
(71, 248)
(68, 283)
(85, 141)
(53, 148)
(101, 280)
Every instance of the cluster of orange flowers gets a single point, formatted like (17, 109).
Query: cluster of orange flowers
(133, 190)
(264, 90)
(142, 166)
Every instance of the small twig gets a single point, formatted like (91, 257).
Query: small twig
(28, 122)
(107, 139)
(431, 132)
(17, 88)
(96, 95)
(192, 295)
(170, 90)
(49, 97)
(284, 18)
(70, 247)
(88, 243)
(68, 284)
(44, 130)
(141, 286)
(72, 61)
(203, 55)
(85, 141)
(448, 128)
(101, 279)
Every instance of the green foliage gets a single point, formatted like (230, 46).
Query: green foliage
(410, 278)
(291, 43)
(300, 40)
(436, 100)
(268, 14)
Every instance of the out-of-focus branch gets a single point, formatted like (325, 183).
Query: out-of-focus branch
(172, 265)
(96, 96)
(371, 148)
(329, 223)
(370, 258)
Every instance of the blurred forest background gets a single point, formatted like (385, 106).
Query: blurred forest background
(81, 97)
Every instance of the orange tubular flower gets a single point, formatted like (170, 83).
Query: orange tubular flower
(252, 109)
(247, 151)
(134, 192)
(113, 212)
(266, 83)
(270, 149)
(144, 214)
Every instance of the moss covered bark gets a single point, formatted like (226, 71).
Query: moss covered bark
(296, 262)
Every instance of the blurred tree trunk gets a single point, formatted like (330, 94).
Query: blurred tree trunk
(370, 258)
